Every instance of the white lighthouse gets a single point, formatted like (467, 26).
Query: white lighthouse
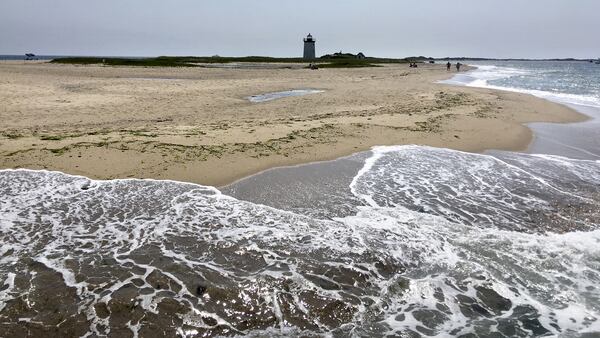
(309, 47)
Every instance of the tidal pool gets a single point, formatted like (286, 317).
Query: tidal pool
(280, 95)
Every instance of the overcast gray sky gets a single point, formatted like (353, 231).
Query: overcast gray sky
(391, 28)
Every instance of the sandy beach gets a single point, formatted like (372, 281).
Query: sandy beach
(281, 169)
(197, 125)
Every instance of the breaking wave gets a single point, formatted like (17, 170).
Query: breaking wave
(445, 243)
(563, 86)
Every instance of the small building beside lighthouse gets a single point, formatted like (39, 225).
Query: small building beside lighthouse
(309, 48)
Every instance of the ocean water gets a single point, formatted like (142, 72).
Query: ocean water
(575, 84)
(440, 243)
(572, 82)
(413, 242)
(22, 57)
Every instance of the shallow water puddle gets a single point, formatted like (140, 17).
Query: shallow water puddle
(280, 95)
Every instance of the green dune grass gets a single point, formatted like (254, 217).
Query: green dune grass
(195, 61)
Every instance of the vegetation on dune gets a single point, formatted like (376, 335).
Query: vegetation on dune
(347, 63)
(337, 57)
(171, 61)
(327, 61)
(146, 62)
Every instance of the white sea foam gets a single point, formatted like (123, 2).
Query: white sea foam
(447, 243)
(482, 76)
(554, 274)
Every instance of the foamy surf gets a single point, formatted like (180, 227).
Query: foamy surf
(521, 80)
(575, 84)
(445, 243)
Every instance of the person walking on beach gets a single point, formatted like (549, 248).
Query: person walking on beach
(448, 65)
(458, 66)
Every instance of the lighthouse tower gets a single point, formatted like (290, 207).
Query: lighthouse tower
(309, 47)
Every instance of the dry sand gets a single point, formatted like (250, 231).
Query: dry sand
(196, 125)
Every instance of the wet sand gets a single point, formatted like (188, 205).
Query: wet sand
(197, 125)
(573, 140)
(319, 189)
(322, 189)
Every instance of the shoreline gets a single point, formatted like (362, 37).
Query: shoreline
(350, 117)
